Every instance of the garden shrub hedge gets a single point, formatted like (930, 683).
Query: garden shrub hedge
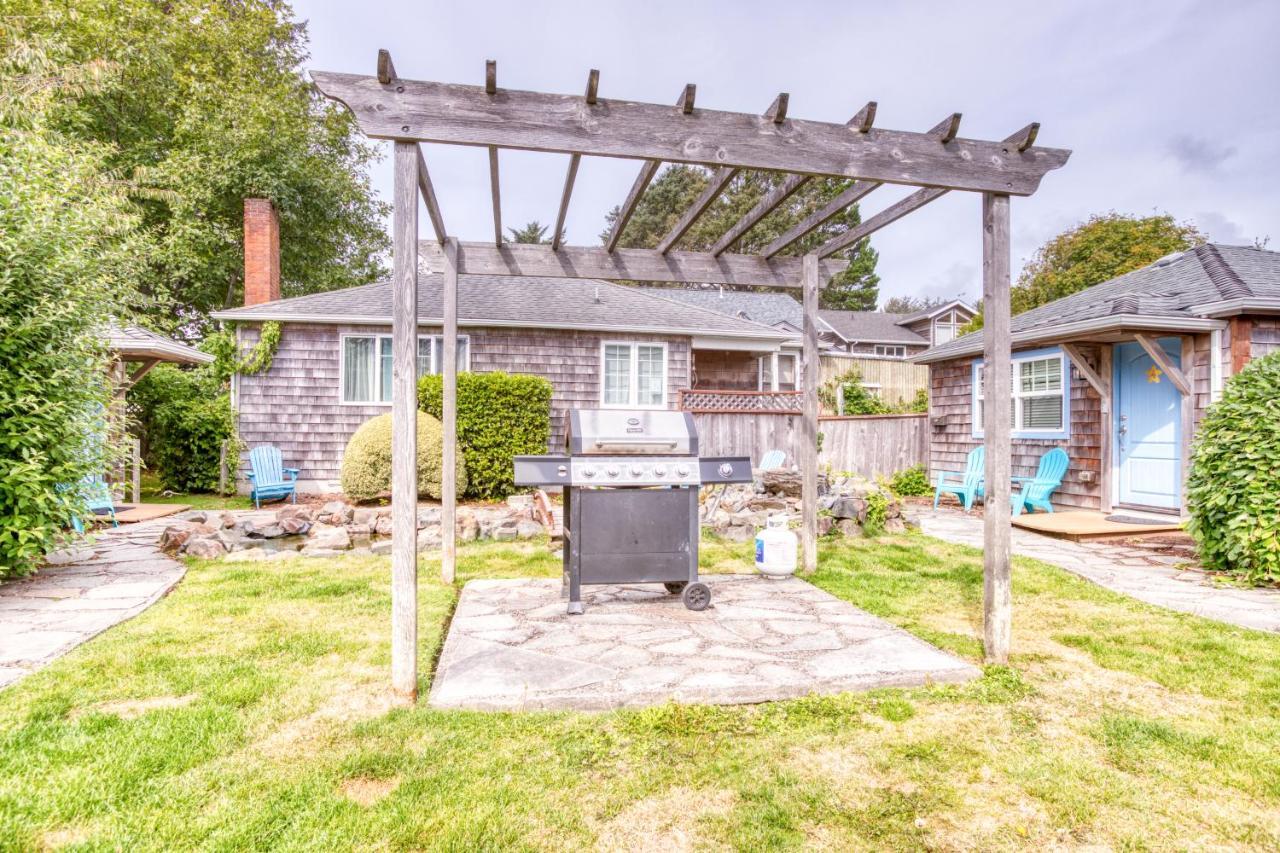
(911, 482)
(1233, 491)
(500, 415)
(366, 463)
(184, 416)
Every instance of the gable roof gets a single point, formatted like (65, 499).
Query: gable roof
(134, 343)
(774, 309)
(532, 301)
(872, 327)
(1181, 292)
(908, 319)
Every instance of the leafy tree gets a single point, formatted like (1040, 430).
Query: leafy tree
(676, 188)
(1106, 246)
(533, 232)
(912, 304)
(206, 105)
(69, 243)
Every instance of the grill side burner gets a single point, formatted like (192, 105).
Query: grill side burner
(631, 483)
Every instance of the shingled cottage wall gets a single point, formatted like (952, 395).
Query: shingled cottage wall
(296, 404)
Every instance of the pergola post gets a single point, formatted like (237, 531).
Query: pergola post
(404, 427)
(997, 604)
(448, 481)
(809, 446)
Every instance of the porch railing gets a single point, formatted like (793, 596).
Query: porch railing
(711, 400)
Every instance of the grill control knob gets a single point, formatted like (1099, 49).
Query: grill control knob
(588, 472)
(613, 470)
(682, 470)
(636, 470)
(659, 471)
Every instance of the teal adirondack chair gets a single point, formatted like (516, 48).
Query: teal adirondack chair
(268, 476)
(97, 495)
(966, 485)
(1035, 491)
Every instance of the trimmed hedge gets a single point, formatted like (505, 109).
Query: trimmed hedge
(185, 415)
(500, 415)
(366, 463)
(1233, 491)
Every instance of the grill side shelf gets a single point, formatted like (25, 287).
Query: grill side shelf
(725, 469)
(541, 470)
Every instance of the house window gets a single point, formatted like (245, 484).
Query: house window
(778, 371)
(634, 375)
(367, 364)
(945, 327)
(891, 350)
(1040, 396)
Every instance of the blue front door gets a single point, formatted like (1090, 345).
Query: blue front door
(1148, 437)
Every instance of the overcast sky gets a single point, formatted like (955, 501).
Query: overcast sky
(1170, 106)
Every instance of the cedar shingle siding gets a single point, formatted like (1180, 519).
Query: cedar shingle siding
(296, 404)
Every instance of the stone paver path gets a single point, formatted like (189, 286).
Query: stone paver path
(512, 646)
(1155, 579)
(85, 592)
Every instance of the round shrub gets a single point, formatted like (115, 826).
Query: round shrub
(909, 482)
(366, 463)
(1233, 492)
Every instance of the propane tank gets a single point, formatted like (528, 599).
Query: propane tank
(776, 549)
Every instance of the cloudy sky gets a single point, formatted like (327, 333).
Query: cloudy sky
(1170, 106)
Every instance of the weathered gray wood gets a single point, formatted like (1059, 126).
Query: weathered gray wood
(141, 370)
(1106, 430)
(429, 197)
(222, 467)
(848, 196)
(404, 426)
(997, 604)
(892, 213)
(647, 171)
(687, 97)
(811, 367)
(593, 86)
(491, 77)
(495, 190)
(557, 239)
(449, 454)
(1162, 360)
(777, 112)
(1188, 415)
(534, 121)
(763, 208)
(631, 264)
(1082, 364)
(863, 120)
(1026, 137)
(386, 70)
(719, 183)
(947, 129)
(136, 453)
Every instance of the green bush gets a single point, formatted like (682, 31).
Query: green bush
(911, 481)
(877, 513)
(183, 416)
(500, 415)
(366, 463)
(1233, 492)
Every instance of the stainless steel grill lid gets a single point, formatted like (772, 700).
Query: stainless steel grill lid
(627, 432)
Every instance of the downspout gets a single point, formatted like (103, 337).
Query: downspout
(1215, 365)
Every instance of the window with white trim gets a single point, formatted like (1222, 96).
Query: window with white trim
(1039, 386)
(633, 375)
(945, 327)
(366, 364)
(778, 371)
(891, 350)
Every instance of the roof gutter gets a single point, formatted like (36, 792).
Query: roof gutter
(373, 320)
(1243, 305)
(1065, 331)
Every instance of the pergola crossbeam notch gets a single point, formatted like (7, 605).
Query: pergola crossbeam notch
(864, 118)
(491, 77)
(386, 68)
(947, 129)
(777, 112)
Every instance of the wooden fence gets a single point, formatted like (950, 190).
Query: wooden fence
(869, 445)
(894, 381)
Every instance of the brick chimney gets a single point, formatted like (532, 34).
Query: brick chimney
(261, 251)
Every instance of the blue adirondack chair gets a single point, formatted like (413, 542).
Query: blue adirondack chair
(1035, 491)
(268, 475)
(966, 485)
(97, 495)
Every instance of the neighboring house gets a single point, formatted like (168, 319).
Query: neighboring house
(599, 344)
(1118, 375)
(881, 335)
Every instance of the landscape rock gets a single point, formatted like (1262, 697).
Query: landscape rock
(382, 526)
(428, 515)
(337, 512)
(466, 528)
(356, 528)
(849, 527)
(429, 538)
(895, 525)
(302, 513)
(228, 520)
(825, 524)
(782, 482)
(206, 547)
(174, 537)
(197, 516)
(327, 536)
(364, 516)
(310, 551)
(737, 533)
(528, 529)
(294, 525)
(847, 507)
(381, 547)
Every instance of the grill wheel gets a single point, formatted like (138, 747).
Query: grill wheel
(696, 596)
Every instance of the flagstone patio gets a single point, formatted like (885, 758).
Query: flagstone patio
(511, 646)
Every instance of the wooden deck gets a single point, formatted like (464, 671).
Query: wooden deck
(1077, 525)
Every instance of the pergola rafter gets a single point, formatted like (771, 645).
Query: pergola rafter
(936, 162)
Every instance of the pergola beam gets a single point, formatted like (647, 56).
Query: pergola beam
(429, 197)
(763, 208)
(820, 216)
(483, 258)
(892, 213)
(495, 191)
(719, 182)
(591, 96)
(534, 121)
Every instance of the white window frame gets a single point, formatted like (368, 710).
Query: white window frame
(977, 395)
(633, 380)
(772, 359)
(899, 350)
(377, 350)
(951, 319)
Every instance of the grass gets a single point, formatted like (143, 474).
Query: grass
(248, 710)
(153, 493)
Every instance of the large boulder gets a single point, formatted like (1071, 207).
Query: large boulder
(329, 537)
(366, 463)
(207, 547)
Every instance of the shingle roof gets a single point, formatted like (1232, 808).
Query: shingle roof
(908, 319)
(769, 309)
(134, 342)
(1171, 288)
(871, 327)
(515, 301)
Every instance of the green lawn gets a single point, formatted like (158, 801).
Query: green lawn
(153, 493)
(248, 710)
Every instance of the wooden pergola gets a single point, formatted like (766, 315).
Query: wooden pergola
(936, 161)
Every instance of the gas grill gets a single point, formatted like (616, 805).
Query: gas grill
(631, 481)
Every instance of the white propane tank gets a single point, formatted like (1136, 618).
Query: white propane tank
(776, 549)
